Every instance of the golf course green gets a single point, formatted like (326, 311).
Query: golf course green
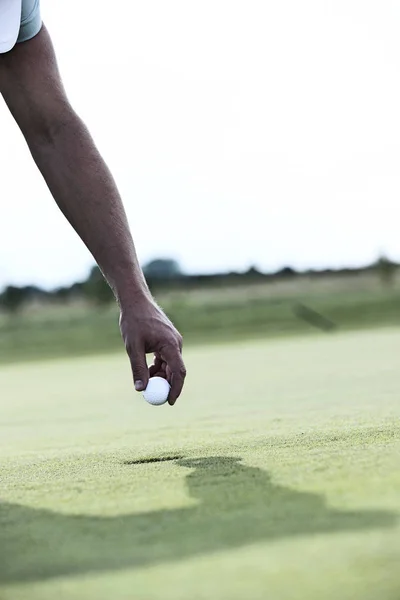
(276, 475)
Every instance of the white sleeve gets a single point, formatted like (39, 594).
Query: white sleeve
(31, 21)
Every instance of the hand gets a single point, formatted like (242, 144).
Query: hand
(146, 329)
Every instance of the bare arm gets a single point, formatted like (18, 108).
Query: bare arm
(85, 191)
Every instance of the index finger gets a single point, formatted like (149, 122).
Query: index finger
(173, 357)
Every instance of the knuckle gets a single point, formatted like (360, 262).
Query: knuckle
(134, 363)
(137, 375)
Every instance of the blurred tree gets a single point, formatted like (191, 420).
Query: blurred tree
(286, 272)
(386, 270)
(162, 268)
(13, 298)
(253, 273)
(62, 293)
(96, 289)
(76, 290)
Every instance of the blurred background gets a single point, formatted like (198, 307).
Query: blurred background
(256, 150)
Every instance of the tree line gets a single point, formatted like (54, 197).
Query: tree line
(165, 273)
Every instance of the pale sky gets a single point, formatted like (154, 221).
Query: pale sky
(243, 132)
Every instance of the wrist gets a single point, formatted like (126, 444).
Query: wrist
(133, 293)
(127, 281)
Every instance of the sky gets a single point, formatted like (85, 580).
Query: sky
(239, 133)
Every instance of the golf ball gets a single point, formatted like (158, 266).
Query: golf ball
(157, 391)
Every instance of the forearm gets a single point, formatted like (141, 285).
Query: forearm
(85, 191)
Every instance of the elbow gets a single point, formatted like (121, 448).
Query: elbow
(46, 129)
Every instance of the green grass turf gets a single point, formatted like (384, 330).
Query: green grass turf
(263, 311)
(279, 476)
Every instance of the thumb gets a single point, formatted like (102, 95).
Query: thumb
(139, 369)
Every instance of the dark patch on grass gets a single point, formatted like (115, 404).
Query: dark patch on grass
(236, 505)
(312, 317)
(146, 461)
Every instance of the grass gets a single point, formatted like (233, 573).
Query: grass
(205, 316)
(277, 475)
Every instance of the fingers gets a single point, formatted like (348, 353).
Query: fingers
(156, 367)
(140, 369)
(176, 371)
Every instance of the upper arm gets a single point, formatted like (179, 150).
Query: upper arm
(31, 85)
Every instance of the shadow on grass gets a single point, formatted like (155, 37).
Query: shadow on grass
(237, 505)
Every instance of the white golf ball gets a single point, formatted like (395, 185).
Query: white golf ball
(157, 391)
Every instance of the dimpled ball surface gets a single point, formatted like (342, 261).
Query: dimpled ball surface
(157, 391)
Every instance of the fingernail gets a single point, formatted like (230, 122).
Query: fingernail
(139, 387)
